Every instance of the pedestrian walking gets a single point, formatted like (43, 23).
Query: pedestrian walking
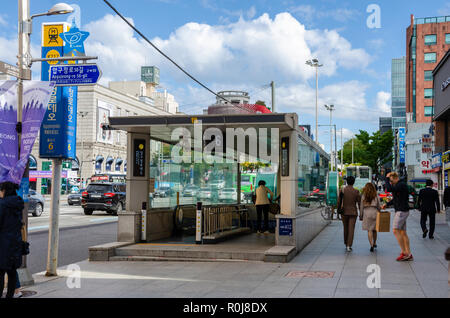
(447, 203)
(11, 207)
(349, 199)
(428, 206)
(400, 201)
(368, 210)
(262, 205)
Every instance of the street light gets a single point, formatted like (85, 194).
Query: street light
(315, 63)
(24, 64)
(331, 108)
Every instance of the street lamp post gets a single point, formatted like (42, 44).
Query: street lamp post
(331, 108)
(24, 64)
(315, 63)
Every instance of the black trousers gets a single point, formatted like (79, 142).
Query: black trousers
(260, 209)
(11, 282)
(423, 221)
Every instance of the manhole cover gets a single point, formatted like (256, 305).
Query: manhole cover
(310, 274)
(28, 293)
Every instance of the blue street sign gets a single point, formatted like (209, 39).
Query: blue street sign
(75, 75)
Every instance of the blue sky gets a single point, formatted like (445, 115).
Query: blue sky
(245, 44)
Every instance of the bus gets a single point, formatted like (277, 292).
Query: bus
(362, 174)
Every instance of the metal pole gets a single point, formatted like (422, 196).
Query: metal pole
(331, 139)
(335, 149)
(272, 84)
(53, 242)
(352, 150)
(25, 276)
(317, 102)
(342, 150)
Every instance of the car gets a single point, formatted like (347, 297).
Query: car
(75, 197)
(204, 193)
(229, 195)
(190, 191)
(36, 203)
(105, 196)
(217, 184)
(163, 192)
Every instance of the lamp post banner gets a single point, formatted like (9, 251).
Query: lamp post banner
(8, 135)
(36, 96)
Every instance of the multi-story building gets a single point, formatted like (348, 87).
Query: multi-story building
(398, 110)
(385, 124)
(427, 41)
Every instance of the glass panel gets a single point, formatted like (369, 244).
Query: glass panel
(447, 38)
(430, 39)
(430, 57)
(429, 111)
(428, 93)
(419, 21)
(428, 75)
(440, 19)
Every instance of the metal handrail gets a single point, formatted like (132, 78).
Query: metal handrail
(219, 219)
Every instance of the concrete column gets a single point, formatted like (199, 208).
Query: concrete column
(289, 184)
(129, 228)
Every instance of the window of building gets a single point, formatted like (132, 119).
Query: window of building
(429, 111)
(428, 93)
(447, 38)
(428, 75)
(430, 57)
(430, 39)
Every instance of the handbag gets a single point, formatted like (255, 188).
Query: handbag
(25, 246)
(274, 208)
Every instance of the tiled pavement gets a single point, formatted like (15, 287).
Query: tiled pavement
(425, 277)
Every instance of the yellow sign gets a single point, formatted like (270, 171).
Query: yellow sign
(50, 36)
(52, 55)
(141, 146)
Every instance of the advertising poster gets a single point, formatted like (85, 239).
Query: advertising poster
(104, 111)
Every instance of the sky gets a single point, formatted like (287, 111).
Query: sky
(246, 44)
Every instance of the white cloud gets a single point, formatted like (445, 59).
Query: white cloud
(382, 103)
(310, 14)
(3, 21)
(245, 51)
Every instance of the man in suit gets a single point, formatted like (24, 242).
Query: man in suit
(428, 206)
(350, 203)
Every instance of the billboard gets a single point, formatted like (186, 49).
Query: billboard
(104, 111)
(150, 74)
(401, 145)
(58, 130)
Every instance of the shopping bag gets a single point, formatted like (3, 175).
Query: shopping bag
(383, 221)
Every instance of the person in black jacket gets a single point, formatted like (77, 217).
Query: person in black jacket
(400, 201)
(11, 207)
(447, 203)
(428, 206)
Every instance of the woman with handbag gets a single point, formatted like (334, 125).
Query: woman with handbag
(11, 243)
(369, 207)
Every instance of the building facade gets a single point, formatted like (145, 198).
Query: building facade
(98, 150)
(398, 110)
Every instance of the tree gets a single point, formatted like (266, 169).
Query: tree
(370, 150)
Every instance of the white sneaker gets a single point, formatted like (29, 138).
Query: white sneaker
(349, 249)
(18, 295)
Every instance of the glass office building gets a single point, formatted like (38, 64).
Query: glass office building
(398, 90)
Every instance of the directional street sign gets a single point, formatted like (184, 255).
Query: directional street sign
(12, 70)
(75, 75)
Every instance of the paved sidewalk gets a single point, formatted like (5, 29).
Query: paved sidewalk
(425, 277)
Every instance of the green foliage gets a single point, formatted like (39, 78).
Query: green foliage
(370, 150)
(260, 102)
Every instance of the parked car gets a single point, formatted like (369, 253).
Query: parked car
(109, 197)
(36, 203)
(229, 195)
(190, 190)
(204, 193)
(163, 192)
(75, 198)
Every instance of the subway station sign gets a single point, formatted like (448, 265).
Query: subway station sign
(58, 130)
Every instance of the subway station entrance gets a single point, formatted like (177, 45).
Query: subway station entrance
(190, 182)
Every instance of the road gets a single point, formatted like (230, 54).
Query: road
(77, 233)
